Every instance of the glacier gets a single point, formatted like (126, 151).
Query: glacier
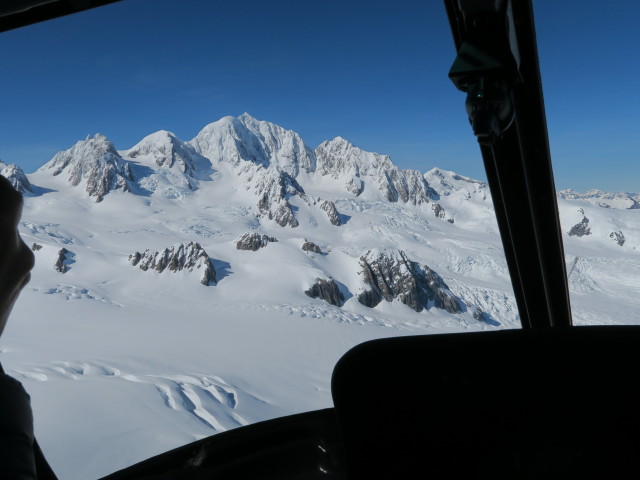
(124, 363)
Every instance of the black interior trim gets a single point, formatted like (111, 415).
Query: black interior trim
(20, 13)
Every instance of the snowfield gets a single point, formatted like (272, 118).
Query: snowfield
(124, 363)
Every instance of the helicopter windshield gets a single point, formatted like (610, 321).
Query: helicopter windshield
(213, 228)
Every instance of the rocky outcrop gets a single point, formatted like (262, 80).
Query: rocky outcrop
(479, 315)
(254, 241)
(332, 212)
(16, 177)
(274, 189)
(284, 215)
(618, 237)
(580, 229)
(35, 247)
(311, 247)
(392, 276)
(64, 259)
(327, 290)
(95, 162)
(359, 170)
(188, 256)
(438, 210)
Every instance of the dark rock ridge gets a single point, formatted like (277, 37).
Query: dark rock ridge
(580, 229)
(96, 162)
(392, 275)
(618, 237)
(332, 212)
(185, 256)
(438, 210)
(254, 241)
(327, 290)
(35, 247)
(65, 258)
(16, 177)
(311, 247)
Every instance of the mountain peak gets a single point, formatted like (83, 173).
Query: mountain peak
(16, 177)
(94, 162)
(175, 165)
(247, 117)
(244, 140)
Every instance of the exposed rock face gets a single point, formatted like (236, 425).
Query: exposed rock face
(35, 247)
(580, 229)
(356, 168)
(274, 189)
(65, 258)
(96, 162)
(618, 237)
(284, 216)
(185, 256)
(254, 241)
(479, 315)
(438, 211)
(393, 275)
(16, 177)
(332, 212)
(311, 247)
(327, 290)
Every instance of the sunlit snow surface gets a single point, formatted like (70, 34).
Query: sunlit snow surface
(124, 364)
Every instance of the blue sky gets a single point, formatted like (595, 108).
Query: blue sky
(373, 72)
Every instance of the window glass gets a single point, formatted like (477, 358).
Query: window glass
(593, 115)
(199, 268)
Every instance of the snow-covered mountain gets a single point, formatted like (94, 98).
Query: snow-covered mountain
(619, 200)
(93, 164)
(163, 163)
(183, 288)
(16, 176)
